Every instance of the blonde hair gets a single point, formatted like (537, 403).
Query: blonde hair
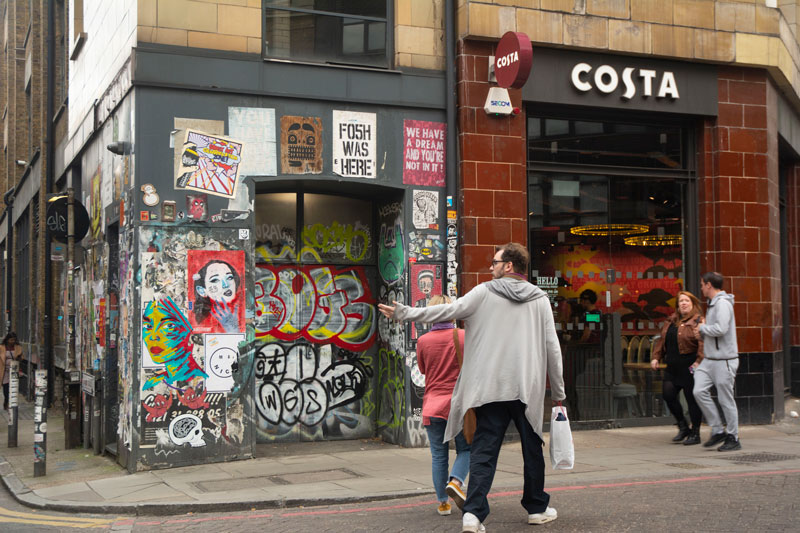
(439, 299)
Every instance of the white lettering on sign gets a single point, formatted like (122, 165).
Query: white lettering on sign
(606, 80)
(508, 59)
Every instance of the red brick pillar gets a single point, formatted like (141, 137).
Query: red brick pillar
(493, 187)
(739, 225)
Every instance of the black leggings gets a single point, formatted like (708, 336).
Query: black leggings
(671, 386)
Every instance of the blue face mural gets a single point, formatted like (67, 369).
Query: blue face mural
(165, 331)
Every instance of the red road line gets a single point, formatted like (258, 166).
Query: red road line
(492, 495)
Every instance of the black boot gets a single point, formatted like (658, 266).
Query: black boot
(683, 431)
(693, 438)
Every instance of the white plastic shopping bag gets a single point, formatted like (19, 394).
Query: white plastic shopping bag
(562, 451)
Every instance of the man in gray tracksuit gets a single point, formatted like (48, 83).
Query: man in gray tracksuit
(719, 365)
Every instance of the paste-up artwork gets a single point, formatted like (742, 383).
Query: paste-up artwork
(391, 260)
(424, 152)
(425, 247)
(178, 417)
(426, 281)
(425, 212)
(452, 263)
(97, 206)
(301, 145)
(197, 207)
(166, 336)
(180, 125)
(210, 164)
(222, 353)
(255, 127)
(216, 290)
(354, 144)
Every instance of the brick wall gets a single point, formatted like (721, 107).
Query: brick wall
(493, 184)
(793, 223)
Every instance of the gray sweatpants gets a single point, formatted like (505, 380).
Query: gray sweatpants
(721, 374)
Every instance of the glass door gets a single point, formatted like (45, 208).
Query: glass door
(608, 251)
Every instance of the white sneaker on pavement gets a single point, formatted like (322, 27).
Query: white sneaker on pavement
(548, 515)
(471, 524)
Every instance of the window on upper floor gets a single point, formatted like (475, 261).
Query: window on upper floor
(78, 35)
(352, 32)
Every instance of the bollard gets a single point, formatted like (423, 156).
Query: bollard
(13, 404)
(40, 425)
(97, 402)
(87, 418)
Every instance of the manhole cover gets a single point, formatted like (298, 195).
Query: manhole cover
(763, 457)
(686, 466)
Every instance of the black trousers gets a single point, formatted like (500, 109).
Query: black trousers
(674, 382)
(492, 421)
(5, 395)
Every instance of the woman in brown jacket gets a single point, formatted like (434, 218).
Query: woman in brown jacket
(682, 352)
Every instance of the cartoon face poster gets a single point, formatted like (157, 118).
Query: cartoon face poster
(216, 291)
(301, 145)
(426, 282)
(197, 207)
(209, 164)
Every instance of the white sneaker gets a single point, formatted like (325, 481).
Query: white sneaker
(471, 524)
(548, 515)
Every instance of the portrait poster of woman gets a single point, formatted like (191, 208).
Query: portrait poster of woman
(215, 281)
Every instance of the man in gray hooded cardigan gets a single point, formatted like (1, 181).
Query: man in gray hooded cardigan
(510, 348)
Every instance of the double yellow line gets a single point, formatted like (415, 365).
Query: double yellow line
(15, 517)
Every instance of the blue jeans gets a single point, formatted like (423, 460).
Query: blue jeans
(440, 457)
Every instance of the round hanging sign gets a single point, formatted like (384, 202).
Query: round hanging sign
(513, 59)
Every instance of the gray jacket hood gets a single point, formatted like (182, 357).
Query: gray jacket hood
(514, 289)
(721, 295)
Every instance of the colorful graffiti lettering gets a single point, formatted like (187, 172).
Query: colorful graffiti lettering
(301, 383)
(165, 331)
(392, 398)
(343, 240)
(316, 303)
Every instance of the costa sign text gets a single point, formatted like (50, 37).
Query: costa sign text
(513, 59)
(606, 79)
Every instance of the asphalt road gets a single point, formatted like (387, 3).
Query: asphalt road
(746, 501)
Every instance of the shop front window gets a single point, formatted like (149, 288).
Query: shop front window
(609, 249)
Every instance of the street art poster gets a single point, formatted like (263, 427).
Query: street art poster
(255, 127)
(97, 205)
(425, 246)
(166, 336)
(426, 281)
(221, 355)
(174, 418)
(424, 153)
(210, 164)
(301, 145)
(354, 144)
(391, 253)
(180, 125)
(215, 285)
(425, 211)
(197, 207)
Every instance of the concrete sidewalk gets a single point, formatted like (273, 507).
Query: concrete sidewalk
(304, 474)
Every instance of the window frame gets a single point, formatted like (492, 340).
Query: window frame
(389, 37)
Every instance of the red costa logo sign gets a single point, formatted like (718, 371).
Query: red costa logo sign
(513, 59)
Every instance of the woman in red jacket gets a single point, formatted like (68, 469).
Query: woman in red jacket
(438, 361)
(682, 352)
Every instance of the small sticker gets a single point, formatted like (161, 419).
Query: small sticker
(150, 197)
(244, 234)
(153, 216)
(144, 216)
(43, 427)
(38, 437)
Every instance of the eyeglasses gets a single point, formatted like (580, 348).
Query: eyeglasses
(495, 261)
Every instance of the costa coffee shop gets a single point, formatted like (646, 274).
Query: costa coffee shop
(627, 178)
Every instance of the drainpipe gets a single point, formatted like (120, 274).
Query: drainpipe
(450, 102)
(8, 199)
